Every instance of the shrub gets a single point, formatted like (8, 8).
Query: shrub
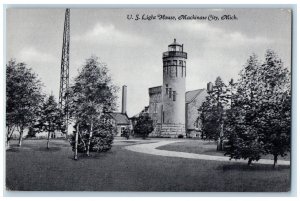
(180, 136)
(143, 126)
(102, 137)
(126, 133)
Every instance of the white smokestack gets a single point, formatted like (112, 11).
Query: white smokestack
(209, 87)
(124, 99)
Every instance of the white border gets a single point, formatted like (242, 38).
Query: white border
(247, 3)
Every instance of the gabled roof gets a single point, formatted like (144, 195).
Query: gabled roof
(120, 118)
(191, 95)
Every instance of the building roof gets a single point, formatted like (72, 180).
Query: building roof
(155, 90)
(174, 43)
(191, 95)
(120, 118)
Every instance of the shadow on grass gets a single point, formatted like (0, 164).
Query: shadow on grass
(44, 149)
(93, 155)
(253, 167)
(209, 143)
(13, 149)
(128, 141)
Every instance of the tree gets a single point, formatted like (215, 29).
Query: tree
(241, 128)
(259, 120)
(126, 133)
(23, 98)
(274, 117)
(143, 126)
(91, 95)
(51, 118)
(212, 112)
(102, 137)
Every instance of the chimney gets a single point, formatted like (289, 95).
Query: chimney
(124, 99)
(209, 87)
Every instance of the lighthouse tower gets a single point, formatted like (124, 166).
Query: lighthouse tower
(173, 91)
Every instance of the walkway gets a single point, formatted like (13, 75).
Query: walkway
(151, 149)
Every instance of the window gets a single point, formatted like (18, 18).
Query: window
(170, 92)
(174, 95)
(182, 71)
(180, 63)
(166, 88)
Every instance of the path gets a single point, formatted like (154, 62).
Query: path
(151, 149)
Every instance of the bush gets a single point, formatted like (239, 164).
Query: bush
(143, 126)
(102, 137)
(180, 136)
(31, 133)
(126, 133)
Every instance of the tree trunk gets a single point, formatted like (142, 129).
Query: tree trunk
(219, 144)
(275, 160)
(76, 143)
(220, 141)
(48, 141)
(21, 136)
(89, 141)
(7, 139)
(249, 162)
(10, 131)
(7, 143)
(66, 136)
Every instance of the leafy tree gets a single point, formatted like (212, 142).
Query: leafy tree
(102, 137)
(91, 95)
(51, 117)
(212, 112)
(241, 129)
(143, 126)
(23, 98)
(274, 117)
(259, 120)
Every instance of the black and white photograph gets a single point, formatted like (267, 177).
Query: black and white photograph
(153, 99)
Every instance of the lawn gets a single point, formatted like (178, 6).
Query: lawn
(34, 168)
(204, 147)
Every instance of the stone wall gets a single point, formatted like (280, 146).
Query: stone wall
(168, 130)
(155, 104)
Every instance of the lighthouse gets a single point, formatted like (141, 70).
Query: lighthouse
(173, 90)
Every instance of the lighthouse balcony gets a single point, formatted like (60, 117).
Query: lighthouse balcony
(175, 54)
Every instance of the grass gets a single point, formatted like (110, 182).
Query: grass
(204, 147)
(34, 168)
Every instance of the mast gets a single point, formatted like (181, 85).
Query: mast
(64, 74)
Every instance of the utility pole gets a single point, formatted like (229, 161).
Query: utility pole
(64, 73)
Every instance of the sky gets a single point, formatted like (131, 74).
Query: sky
(132, 49)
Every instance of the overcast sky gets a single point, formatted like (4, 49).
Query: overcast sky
(133, 49)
